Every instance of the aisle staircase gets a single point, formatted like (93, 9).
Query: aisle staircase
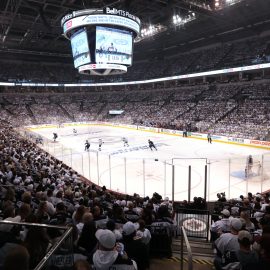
(202, 256)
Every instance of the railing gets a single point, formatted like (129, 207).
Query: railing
(62, 248)
(67, 259)
(192, 177)
(189, 252)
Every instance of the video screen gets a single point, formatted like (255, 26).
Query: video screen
(80, 48)
(113, 46)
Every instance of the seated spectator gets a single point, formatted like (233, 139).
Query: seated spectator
(87, 217)
(118, 215)
(164, 219)
(248, 225)
(78, 214)
(9, 215)
(245, 255)
(167, 202)
(50, 207)
(82, 265)
(221, 226)
(148, 214)
(99, 218)
(135, 249)
(227, 242)
(8, 242)
(107, 255)
(17, 258)
(131, 214)
(264, 251)
(163, 215)
(37, 244)
(87, 239)
(112, 227)
(42, 213)
(265, 204)
(61, 216)
(143, 232)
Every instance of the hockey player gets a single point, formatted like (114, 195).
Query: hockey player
(209, 138)
(250, 161)
(248, 169)
(100, 142)
(151, 145)
(125, 141)
(74, 132)
(55, 136)
(87, 146)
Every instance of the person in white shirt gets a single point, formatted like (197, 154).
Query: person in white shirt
(143, 232)
(227, 242)
(222, 225)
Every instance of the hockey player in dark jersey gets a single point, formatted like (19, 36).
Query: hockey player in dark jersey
(151, 145)
(87, 146)
(55, 136)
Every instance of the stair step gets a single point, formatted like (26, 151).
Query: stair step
(198, 248)
(198, 260)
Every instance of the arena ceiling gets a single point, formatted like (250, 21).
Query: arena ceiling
(31, 28)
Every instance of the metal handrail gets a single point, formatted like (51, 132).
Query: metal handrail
(184, 237)
(33, 224)
(67, 233)
(53, 249)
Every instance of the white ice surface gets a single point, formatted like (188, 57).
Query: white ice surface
(137, 169)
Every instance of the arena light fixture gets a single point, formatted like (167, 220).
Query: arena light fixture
(181, 20)
(220, 4)
(150, 31)
(232, 2)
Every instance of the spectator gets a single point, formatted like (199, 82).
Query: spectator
(245, 255)
(143, 232)
(223, 225)
(37, 244)
(17, 258)
(82, 265)
(227, 242)
(134, 247)
(248, 225)
(106, 254)
(87, 239)
(263, 250)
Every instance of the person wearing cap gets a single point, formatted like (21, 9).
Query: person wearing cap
(227, 242)
(221, 226)
(245, 255)
(107, 255)
(134, 247)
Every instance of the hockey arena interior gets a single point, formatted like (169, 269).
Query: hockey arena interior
(134, 135)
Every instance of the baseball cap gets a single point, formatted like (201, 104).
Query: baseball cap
(128, 228)
(225, 212)
(106, 238)
(236, 224)
(244, 234)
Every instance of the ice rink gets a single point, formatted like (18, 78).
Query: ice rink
(137, 169)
